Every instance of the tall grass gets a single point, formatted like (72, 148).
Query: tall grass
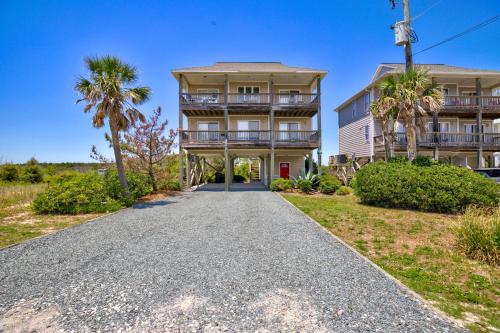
(18, 194)
(478, 234)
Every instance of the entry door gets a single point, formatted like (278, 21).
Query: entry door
(248, 95)
(284, 170)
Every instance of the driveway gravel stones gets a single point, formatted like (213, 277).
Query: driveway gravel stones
(202, 261)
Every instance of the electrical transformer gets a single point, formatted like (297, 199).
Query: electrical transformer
(400, 33)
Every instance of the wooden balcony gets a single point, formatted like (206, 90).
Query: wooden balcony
(261, 103)
(447, 141)
(249, 139)
(470, 104)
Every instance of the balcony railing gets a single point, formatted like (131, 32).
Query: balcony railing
(202, 98)
(291, 137)
(250, 137)
(472, 101)
(295, 99)
(442, 139)
(249, 99)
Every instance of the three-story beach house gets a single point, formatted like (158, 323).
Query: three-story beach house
(265, 111)
(463, 132)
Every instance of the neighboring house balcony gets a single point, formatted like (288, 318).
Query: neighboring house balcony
(249, 139)
(468, 103)
(297, 104)
(446, 141)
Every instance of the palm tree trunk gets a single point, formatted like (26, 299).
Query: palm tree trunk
(411, 140)
(118, 157)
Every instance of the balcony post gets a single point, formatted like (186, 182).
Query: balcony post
(226, 88)
(271, 127)
(479, 121)
(181, 176)
(435, 129)
(226, 128)
(271, 90)
(318, 91)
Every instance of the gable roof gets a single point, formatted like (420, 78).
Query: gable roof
(248, 67)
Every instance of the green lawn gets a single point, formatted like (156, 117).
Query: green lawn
(418, 249)
(18, 222)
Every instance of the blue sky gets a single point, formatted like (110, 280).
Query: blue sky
(44, 43)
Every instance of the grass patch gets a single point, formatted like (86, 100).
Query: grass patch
(18, 222)
(417, 248)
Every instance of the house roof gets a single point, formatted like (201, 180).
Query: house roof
(436, 69)
(386, 69)
(248, 67)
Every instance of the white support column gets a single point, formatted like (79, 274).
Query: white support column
(181, 167)
(188, 170)
(318, 91)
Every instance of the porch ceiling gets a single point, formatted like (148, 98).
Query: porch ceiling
(278, 79)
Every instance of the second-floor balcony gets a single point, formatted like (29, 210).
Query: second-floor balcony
(250, 139)
(450, 141)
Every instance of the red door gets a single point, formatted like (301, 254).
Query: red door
(285, 170)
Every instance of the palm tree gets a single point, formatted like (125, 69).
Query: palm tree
(107, 91)
(409, 97)
(384, 109)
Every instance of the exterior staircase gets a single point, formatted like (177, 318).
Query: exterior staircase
(255, 170)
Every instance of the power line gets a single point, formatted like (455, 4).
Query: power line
(426, 11)
(469, 30)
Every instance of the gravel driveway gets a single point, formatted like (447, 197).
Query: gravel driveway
(203, 261)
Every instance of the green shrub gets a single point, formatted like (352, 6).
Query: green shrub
(439, 187)
(328, 186)
(343, 190)
(478, 234)
(137, 184)
(281, 184)
(304, 185)
(169, 185)
(238, 178)
(32, 174)
(74, 193)
(62, 177)
(9, 173)
(424, 161)
(398, 159)
(81, 194)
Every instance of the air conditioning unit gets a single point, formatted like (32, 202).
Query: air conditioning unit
(401, 33)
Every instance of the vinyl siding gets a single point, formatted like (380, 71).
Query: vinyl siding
(352, 138)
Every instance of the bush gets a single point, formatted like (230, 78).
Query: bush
(439, 187)
(238, 178)
(398, 159)
(82, 194)
(85, 193)
(9, 173)
(169, 185)
(343, 190)
(281, 184)
(137, 184)
(328, 187)
(478, 234)
(304, 185)
(32, 174)
(63, 176)
(424, 161)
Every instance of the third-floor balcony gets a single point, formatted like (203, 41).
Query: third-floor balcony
(250, 101)
(472, 102)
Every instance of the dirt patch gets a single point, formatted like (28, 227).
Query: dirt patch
(159, 196)
(27, 317)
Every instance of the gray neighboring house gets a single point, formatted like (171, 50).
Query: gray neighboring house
(467, 135)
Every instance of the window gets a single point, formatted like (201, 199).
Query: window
(353, 109)
(290, 96)
(248, 129)
(495, 92)
(445, 91)
(444, 127)
(207, 95)
(366, 130)
(208, 131)
(366, 100)
(248, 94)
(289, 131)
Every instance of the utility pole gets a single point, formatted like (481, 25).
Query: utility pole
(408, 52)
